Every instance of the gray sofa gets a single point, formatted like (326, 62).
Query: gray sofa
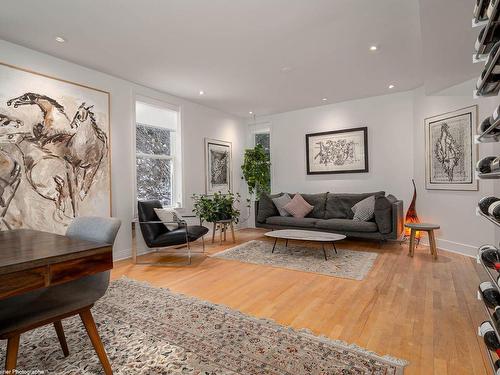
(332, 213)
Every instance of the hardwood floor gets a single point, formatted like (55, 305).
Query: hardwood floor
(417, 309)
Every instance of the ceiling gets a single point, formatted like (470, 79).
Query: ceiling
(265, 56)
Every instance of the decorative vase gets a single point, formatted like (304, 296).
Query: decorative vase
(411, 214)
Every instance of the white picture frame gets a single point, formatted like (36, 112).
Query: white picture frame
(218, 166)
(450, 150)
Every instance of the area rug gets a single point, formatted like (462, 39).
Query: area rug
(348, 264)
(150, 331)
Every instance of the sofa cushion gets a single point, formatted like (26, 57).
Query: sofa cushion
(298, 207)
(318, 201)
(346, 225)
(364, 210)
(290, 221)
(266, 207)
(383, 214)
(339, 206)
(280, 203)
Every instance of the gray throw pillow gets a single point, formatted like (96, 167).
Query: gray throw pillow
(266, 207)
(364, 210)
(383, 214)
(281, 202)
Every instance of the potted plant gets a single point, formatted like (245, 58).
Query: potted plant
(256, 171)
(216, 207)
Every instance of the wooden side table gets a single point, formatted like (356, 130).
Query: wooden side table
(423, 227)
(223, 226)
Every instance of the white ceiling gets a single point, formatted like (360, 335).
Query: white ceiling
(235, 50)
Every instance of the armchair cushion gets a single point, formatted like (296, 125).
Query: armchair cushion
(178, 236)
(146, 212)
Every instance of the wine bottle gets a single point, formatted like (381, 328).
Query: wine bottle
(490, 337)
(487, 84)
(491, 296)
(494, 210)
(480, 9)
(488, 41)
(493, 60)
(485, 125)
(484, 204)
(484, 165)
(490, 256)
(491, 9)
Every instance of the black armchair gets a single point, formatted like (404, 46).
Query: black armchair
(157, 236)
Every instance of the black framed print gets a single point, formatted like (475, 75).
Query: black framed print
(451, 154)
(337, 151)
(218, 166)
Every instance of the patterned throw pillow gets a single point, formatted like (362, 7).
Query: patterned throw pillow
(298, 207)
(365, 209)
(280, 202)
(169, 215)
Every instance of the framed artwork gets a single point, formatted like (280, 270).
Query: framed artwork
(54, 151)
(338, 151)
(218, 166)
(450, 152)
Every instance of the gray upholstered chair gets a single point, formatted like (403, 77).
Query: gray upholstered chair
(50, 305)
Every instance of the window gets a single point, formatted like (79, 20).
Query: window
(157, 151)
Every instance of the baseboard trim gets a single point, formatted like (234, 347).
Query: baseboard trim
(453, 247)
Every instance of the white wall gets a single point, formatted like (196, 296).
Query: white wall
(197, 122)
(396, 155)
(389, 120)
(461, 230)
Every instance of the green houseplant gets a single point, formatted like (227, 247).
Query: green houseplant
(216, 207)
(256, 171)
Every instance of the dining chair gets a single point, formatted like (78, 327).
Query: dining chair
(51, 305)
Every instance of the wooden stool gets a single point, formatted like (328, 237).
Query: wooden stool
(223, 226)
(423, 227)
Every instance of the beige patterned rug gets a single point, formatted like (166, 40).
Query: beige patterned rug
(348, 264)
(151, 331)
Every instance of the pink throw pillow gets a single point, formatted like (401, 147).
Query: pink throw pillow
(298, 207)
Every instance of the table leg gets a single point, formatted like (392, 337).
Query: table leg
(324, 251)
(213, 233)
(225, 232)
(274, 246)
(412, 243)
(232, 232)
(221, 229)
(286, 243)
(335, 248)
(432, 241)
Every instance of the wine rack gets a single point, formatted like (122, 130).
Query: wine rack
(488, 136)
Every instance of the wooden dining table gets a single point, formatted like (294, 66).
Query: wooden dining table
(31, 259)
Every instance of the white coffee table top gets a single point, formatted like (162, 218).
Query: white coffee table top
(305, 235)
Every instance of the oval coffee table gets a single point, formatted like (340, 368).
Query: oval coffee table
(305, 235)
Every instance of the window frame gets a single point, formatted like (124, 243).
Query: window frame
(177, 195)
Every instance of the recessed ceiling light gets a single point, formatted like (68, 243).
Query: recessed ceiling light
(202, 92)
(391, 86)
(324, 99)
(286, 69)
(373, 48)
(250, 113)
(60, 39)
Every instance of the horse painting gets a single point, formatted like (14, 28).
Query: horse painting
(54, 156)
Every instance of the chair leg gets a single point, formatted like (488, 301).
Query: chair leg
(11, 358)
(62, 338)
(88, 322)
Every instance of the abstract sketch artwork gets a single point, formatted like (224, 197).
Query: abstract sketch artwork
(339, 151)
(218, 166)
(54, 151)
(450, 151)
